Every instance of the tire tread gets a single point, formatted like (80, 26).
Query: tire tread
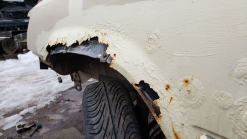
(109, 112)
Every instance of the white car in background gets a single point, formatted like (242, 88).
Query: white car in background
(186, 59)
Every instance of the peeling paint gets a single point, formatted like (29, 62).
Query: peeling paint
(223, 99)
(152, 42)
(239, 117)
(156, 102)
(190, 92)
(113, 59)
(239, 72)
(150, 106)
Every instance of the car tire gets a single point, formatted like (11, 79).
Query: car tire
(109, 112)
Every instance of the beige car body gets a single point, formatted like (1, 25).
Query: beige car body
(193, 53)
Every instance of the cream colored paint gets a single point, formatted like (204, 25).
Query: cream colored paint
(198, 48)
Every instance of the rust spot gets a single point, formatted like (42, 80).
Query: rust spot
(175, 133)
(171, 99)
(157, 118)
(103, 34)
(167, 87)
(156, 102)
(111, 65)
(186, 82)
(112, 62)
(135, 86)
(182, 124)
(113, 57)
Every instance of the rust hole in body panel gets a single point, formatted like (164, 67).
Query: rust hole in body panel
(167, 87)
(104, 42)
(148, 102)
(156, 117)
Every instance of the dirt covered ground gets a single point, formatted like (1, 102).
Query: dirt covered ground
(63, 113)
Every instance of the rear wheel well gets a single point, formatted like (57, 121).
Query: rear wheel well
(68, 63)
(89, 57)
(83, 67)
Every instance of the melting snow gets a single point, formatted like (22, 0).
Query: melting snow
(26, 88)
(28, 110)
(10, 121)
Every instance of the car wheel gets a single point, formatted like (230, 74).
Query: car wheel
(109, 112)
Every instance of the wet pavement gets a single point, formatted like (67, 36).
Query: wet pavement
(61, 118)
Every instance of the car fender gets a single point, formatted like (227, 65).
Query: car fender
(192, 53)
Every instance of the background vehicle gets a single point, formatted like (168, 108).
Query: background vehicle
(13, 26)
(186, 60)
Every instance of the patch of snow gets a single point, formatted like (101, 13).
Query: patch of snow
(73, 110)
(24, 87)
(11, 121)
(44, 129)
(56, 116)
(28, 110)
(91, 80)
(61, 111)
(1, 134)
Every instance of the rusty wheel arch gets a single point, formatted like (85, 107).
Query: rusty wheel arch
(90, 60)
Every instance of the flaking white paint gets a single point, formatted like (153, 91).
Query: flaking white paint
(163, 42)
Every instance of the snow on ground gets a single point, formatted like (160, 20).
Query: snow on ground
(23, 86)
